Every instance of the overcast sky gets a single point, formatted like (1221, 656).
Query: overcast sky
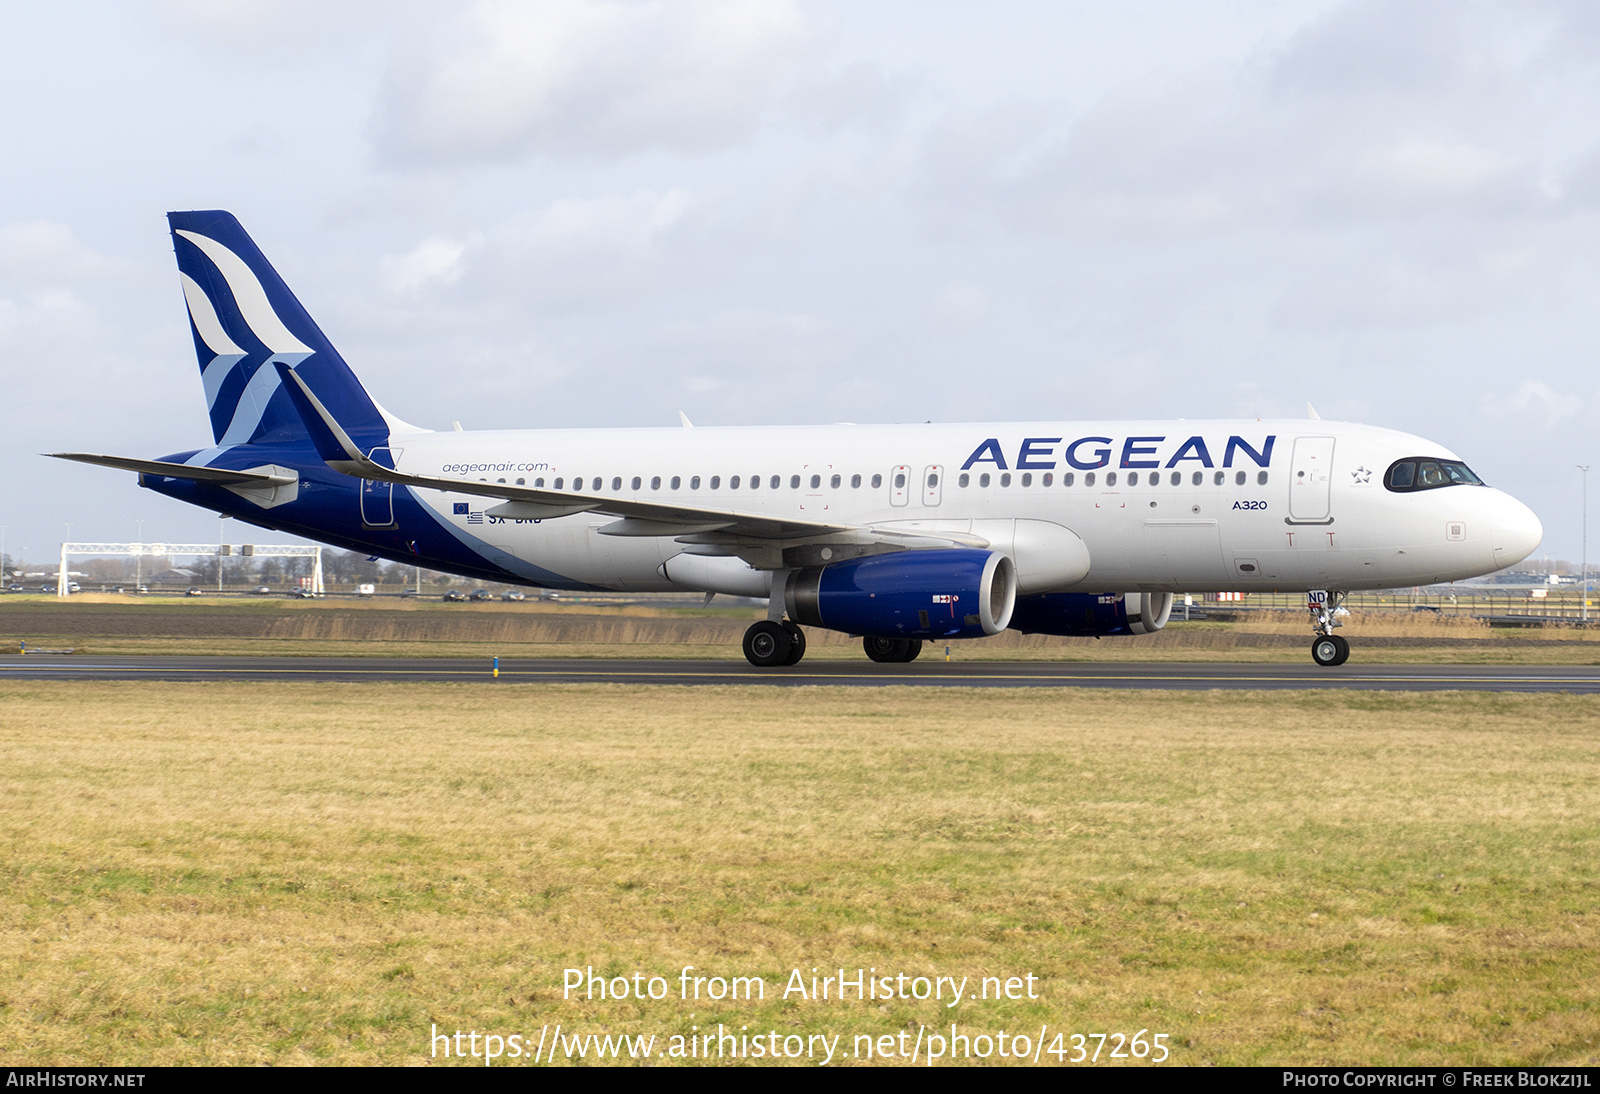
(588, 213)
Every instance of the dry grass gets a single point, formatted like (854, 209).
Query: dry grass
(280, 873)
(433, 629)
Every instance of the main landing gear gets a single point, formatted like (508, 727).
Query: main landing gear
(891, 651)
(1327, 649)
(770, 642)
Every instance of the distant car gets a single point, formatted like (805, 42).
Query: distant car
(481, 594)
(455, 594)
(18, 588)
(1425, 608)
(261, 590)
(47, 588)
(512, 594)
(194, 590)
(74, 587)
(300, 594)
(408, 592)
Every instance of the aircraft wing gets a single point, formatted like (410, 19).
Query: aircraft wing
(707, 530)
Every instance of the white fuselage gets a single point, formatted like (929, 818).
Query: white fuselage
(1156, 510)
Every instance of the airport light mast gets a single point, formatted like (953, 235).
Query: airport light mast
(1583, 611)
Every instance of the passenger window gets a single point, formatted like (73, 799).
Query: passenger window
(1261, 478)
(522, 482)
(733, 483)
(558, 483)
(1111, 478)
(834, 482)
(816, 481)
(1027, 478)
(655, 483)
(1218, 479)
(694, 483)
(777, 481)
(1088, 479)
(755, 482)
(596, 484)
(577, 482)
(855, 482)
(877, 481)
(1133, 478)
(1177, 478)
(1047, 479)
(1005, 480)
(538, 482)
(499, 480)
(616, 484)
(900, 482)
(964, 479)
(1238, 478)
(1068, 478)
(794, 482)
(983, 479)
(1199, 477)
(933, 481)
(676, 482)
(716, 482)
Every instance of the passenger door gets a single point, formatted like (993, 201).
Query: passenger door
(1311, 480)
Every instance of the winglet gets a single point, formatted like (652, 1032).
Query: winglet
(1311, 412)
(684, 418)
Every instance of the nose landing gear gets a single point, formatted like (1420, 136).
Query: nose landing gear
(1327, 649)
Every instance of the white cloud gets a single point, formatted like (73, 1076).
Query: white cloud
(597, 77)
(1537, 399)
(436, 260)
(38, 253)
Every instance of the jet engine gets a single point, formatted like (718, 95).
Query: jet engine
(1090, 614)
(958, 592)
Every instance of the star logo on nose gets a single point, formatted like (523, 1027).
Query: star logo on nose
(1361, 475)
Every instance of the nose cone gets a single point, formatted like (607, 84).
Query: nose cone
(1517, 532)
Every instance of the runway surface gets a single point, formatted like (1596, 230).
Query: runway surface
(931, 673)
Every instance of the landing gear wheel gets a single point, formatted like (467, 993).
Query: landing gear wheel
(797, 642)
(892, 651)
(1328, 650)
(767, 644)
(885, 651)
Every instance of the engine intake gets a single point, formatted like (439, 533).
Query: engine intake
(955, 593)
(1090, 614)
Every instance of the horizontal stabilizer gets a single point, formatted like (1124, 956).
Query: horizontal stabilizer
(217, 476)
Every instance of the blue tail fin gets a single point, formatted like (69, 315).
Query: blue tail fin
(245, 320)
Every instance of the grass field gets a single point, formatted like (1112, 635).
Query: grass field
(289, 873)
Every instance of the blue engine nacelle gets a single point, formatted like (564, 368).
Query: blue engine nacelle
(958, 592)
(1089, 614)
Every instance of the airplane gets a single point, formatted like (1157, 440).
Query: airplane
(898, 534)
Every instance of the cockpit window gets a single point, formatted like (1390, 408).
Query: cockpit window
(1415, 473)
